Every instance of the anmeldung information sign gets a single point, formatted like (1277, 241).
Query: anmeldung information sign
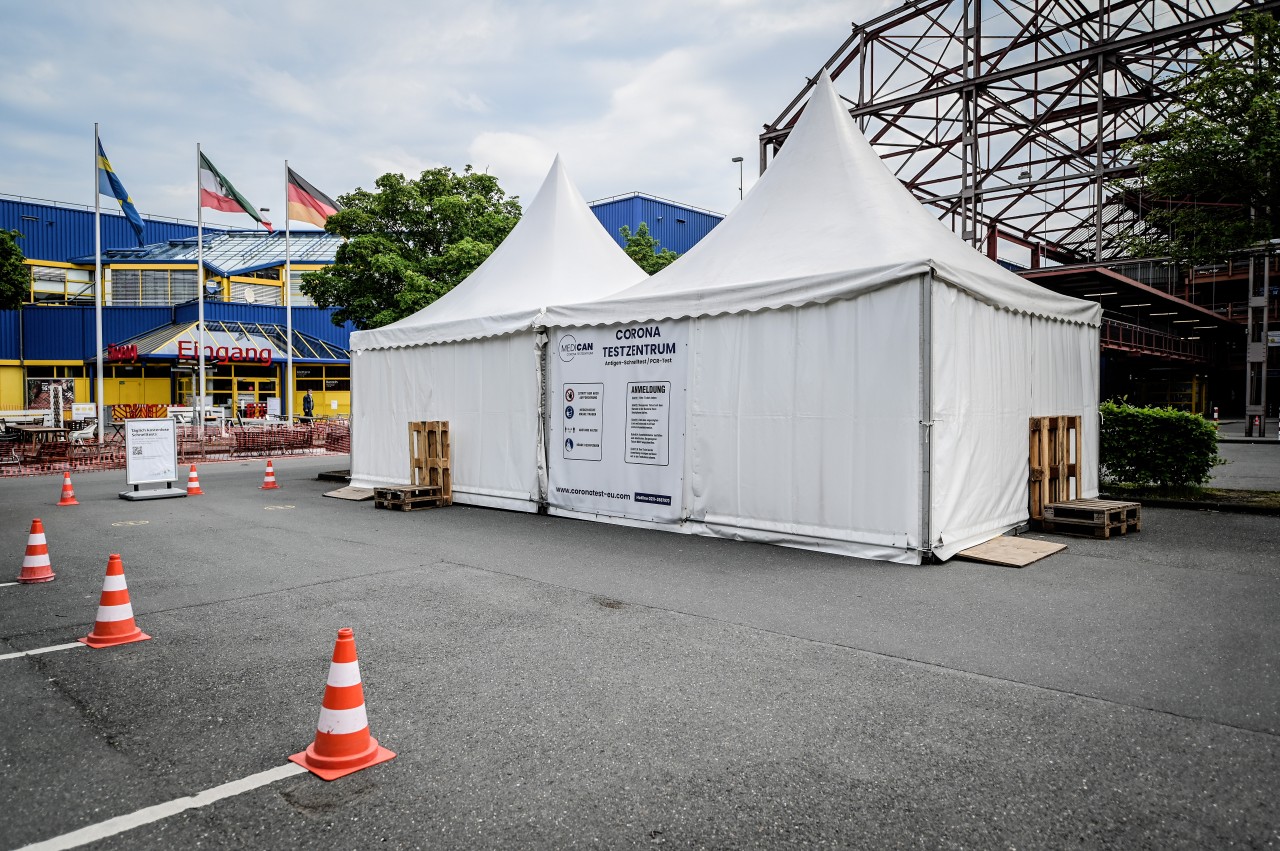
(616, 403)
(150, 451)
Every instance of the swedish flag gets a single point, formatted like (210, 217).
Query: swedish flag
(109, 184)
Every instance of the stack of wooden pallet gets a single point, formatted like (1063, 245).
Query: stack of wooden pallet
(429, 464)
(1056, 449)
(1100, 518)
(431, 482)
(408, 498)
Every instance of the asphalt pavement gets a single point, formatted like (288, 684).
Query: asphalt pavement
(1249, 466)
(550, 683)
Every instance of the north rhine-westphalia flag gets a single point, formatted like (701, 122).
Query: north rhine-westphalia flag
(109, 184)
(218, 193)
(308, 204)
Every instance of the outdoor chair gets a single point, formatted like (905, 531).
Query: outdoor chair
(9, 446)
(89, 432)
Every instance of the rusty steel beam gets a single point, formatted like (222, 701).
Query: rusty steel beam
(1012, 116)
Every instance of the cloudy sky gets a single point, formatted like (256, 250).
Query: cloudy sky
(654, 96)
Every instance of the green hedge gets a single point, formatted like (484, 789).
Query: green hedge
(1160, 446)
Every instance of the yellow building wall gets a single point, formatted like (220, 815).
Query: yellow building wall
(322, 398)
(136, 391)
(12, 389)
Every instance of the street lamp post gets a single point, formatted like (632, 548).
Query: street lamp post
(738, 160)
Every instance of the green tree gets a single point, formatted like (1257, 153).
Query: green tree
(643, 248)
(15, 277)
(1207, 175)
(410, 242)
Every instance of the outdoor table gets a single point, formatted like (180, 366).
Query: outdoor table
(42, 433)
(37, 438)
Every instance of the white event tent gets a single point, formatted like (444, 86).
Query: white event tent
(472, 356)
(830, 368)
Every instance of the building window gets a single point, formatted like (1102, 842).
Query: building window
(254, 293)
(318, 378)
(142, 287)
(296, 296)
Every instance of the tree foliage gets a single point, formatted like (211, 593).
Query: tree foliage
(410, 242)
(644, 249)
(15, 277)
(1208, 175)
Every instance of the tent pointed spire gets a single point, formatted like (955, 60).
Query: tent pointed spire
(557, 253)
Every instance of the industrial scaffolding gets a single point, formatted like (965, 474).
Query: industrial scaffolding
(1011, 118)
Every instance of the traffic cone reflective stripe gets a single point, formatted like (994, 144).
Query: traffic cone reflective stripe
(269, 480)
(193, 483)
(342, 744)
(35, 562)
(114, 624)
(68, 494)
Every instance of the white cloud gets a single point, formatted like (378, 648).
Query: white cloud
(654, 97)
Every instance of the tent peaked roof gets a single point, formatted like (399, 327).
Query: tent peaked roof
(558, 253)
(827, 220)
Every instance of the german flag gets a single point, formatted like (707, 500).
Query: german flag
(308, 204)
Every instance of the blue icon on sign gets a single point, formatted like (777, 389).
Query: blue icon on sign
(568, 412)
(568, 444)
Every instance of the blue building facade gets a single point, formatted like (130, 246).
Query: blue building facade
(150, 303)
(59, 232)
(677, 227)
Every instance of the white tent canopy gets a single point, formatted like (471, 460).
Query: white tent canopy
(557, 254)
(826, 220)
(472, 358)
(838, 371)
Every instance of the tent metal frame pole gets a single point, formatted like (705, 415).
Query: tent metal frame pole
(926, 418)
(541, 340)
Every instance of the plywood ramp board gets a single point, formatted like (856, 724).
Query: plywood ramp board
(352, 493)
(1011, 552)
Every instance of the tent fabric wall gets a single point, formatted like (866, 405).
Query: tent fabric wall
(472, 358)
(861, 379)
(487, 389)
(799, 429)
(994, 371)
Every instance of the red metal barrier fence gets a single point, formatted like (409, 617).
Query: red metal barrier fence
(322, 437)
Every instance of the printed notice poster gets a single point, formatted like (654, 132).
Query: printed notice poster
(648, 422)
(583, 419)
(617, 425)
(150, 451)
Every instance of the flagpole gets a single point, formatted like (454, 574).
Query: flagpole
(200, 296)
(288, 305)
(97, 286)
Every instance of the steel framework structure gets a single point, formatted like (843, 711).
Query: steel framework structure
(1011, 116)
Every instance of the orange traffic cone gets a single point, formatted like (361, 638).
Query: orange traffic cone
(35, 564)
(115, 624)
(343, 744)
(193, 483)
(269, 480)
(68, 494)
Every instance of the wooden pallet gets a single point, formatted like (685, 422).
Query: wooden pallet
(1098, 518)
(1054, 468)
(429, 463)
(408, 499)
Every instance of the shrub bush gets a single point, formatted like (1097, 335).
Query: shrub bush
(1161, 446)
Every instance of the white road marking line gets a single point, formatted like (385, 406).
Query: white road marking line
(6, 584)
(70, 646)
(120, 824)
